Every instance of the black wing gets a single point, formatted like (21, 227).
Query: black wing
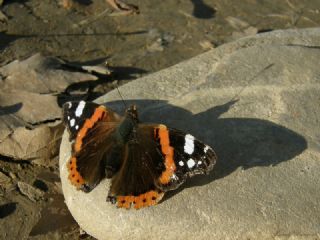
(184, 156)
(91, 128)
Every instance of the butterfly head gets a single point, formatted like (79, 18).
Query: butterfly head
(132, 113)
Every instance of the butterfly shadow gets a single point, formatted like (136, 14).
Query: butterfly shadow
(238, 142)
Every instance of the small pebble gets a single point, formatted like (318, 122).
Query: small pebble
(31, 192)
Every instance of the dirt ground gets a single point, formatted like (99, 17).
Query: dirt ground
(163, 34)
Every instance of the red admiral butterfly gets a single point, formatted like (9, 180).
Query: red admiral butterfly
(143, 160)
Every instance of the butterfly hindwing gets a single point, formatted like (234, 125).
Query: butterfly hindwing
(134, 184)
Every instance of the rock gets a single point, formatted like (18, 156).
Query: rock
(54, 216)
(237, 23)
(206, 45)
(3, 17)
(4, 179)
(40, 74)
(31, 192)
(30, 114)
(246, 32)
(12, 175)
(5, 183)
(157, 46)
(256, 102)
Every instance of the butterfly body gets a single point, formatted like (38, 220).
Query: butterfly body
(142, 160)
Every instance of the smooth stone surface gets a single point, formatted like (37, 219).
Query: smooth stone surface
(266, 183)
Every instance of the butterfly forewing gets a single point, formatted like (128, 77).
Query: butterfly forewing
(184, 156)
(75, 115)
(91, 129)
(134, 184)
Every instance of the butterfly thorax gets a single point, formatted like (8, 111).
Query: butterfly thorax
(126, 130)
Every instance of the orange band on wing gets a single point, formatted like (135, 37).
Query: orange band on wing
(74, 176)
(89, 123)
(143, 200)
(168, 152)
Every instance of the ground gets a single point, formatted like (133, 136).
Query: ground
(163, 34)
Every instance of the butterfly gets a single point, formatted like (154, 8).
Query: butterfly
(143, 160)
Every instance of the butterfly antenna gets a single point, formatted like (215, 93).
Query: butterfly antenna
(124, 103)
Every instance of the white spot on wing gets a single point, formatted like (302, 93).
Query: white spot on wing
(206, 148)
(199, 162)
(174, 177)
(181, 163)
(189, 144)
(68, 117)
(72, 122)
(191, 163)
(76, 127)
(80, 108)
(69, 104)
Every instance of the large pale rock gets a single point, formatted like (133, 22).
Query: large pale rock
(266, 183)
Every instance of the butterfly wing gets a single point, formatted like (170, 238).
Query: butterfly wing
(134, 185)
(184, 156)
(158, 159)
(91, 129)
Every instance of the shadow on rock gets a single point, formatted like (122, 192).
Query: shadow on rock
(238, 142)
(202, 10)
(126, 73)
(11, 109)
(54, 217)
(89, 90)
(7, 209)
(84, 2)
(6, 38)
